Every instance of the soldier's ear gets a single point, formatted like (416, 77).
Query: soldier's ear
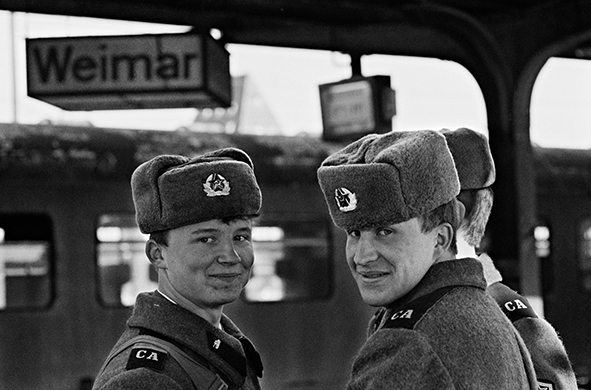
(155, 254)
(445, 234)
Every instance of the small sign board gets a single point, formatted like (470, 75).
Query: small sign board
(350, 106)
(355, 107)
(129, 72)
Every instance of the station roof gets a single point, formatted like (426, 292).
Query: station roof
(327, 24)
(280, 11)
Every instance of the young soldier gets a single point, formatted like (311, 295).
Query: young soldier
(476, 171)
(395, 196)
(198, 213)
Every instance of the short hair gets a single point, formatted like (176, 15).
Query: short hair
(478, 203)
(161, 236)
(446, 213)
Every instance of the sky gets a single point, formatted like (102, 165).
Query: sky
(430, 93)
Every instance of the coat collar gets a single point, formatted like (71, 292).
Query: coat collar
(458, 272)
(224, 349)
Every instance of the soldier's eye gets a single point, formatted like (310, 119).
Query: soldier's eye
(384, 232)
(353, 233)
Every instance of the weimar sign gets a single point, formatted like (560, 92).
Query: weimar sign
(129, 72)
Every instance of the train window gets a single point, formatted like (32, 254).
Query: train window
(542, 241)
(292, 262)
(25, 261)
(585, 254)
(123, 269)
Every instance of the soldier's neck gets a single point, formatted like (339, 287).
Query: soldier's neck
(465, 249)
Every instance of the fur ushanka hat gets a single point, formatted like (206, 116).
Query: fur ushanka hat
(388, 178)
(474, 162)
(173, 191)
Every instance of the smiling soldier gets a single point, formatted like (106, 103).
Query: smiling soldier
(199, 215)
(395, 196)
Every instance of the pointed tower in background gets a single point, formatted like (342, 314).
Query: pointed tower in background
(249, 113)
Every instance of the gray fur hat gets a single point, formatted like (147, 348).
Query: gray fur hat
(388, 178)
(472, 156)
(173, 191)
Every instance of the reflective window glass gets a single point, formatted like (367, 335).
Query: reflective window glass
(585, 254)
(25, 261)
(123, 268)
(542, 241)
(292, 262)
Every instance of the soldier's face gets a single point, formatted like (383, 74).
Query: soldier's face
(388, 261)
(209, 262)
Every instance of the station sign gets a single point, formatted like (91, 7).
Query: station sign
(129, 72)
(355, 107)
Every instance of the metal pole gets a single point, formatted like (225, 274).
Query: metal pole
(13, 63)
(2, 273)
(355, 64)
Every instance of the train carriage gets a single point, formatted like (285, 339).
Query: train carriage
(73, 259)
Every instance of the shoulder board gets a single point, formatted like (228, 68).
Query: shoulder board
(409, 314)
(511, 303)
(144, 356)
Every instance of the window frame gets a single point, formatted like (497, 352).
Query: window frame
(326, 224)
(36, 228)
(583, 226)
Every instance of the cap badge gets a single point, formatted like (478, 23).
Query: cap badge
(346, 200)
(216, 185)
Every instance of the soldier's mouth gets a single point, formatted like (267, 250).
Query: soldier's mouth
(373, 274)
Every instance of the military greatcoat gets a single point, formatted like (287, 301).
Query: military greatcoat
(446, 333)
(226, 352)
